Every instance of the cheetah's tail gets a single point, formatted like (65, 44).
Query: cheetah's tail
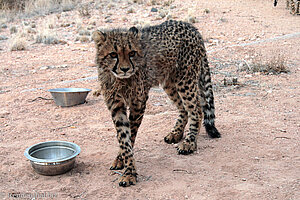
(208, 107)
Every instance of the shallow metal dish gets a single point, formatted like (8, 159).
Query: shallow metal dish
(69, 96)
(53, 157)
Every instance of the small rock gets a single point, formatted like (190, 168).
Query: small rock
(84, 39)
(3, 26)
(162, 14)
(65, 25)
(158, 18)
(93, 23)
(4, 113)
(90, 27)
(158, 104)
(244, 179)
(31, 30)
(223, 20)
(169, 17)
(206, 11)
(154, 10)
(83, 32)
(13, 29)
(130, 10)
(2, 37)
(214, 41)
(108, 21)
(25, 23)
(62, 42)
(192, 20)
(45, 67)
(62, 66)
(250, 94)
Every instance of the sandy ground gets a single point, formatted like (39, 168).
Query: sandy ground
(259, 119)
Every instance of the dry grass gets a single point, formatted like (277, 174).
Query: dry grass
(84, 39)
(13, 29)
(46, 36)
(83, 31)
(41, 7)
(45, 33)
(275, 65)
(18, 43)
(12, 4)
(84, 10)
(12, 9)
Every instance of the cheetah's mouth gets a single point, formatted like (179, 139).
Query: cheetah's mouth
(123, 75)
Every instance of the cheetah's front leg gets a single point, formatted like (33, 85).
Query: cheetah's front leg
(125, 158)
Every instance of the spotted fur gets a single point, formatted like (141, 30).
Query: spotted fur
(132, 61)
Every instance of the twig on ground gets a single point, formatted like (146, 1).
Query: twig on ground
(43, 98)
(148, 178)
(117, 172)
(249, 67)
(180, 170)
(55, 129)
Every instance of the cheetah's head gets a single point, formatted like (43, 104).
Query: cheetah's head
(118, 51)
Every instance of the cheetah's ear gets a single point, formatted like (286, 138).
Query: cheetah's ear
(98, 37)
(134, 30)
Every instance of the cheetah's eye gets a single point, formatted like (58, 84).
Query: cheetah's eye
(113, 55)
(132, 54)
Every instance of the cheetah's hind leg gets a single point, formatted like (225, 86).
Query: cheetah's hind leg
(176, 134)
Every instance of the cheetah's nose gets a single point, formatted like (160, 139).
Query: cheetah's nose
(124, 69)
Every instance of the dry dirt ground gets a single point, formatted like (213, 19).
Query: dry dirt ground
(259, 118)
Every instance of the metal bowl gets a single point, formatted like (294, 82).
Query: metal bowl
(69, 96)
(53, 157)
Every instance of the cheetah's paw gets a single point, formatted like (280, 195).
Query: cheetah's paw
(187, 147)
(96, 93)
(173, 137)
(117, 164)
(127, 180)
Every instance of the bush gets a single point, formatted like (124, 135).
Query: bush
(46, 37)
(275, 65)
(28, 8)
(18, 43)
(12, 4)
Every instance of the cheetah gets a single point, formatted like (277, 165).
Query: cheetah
(131, 61)
(294, 5)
